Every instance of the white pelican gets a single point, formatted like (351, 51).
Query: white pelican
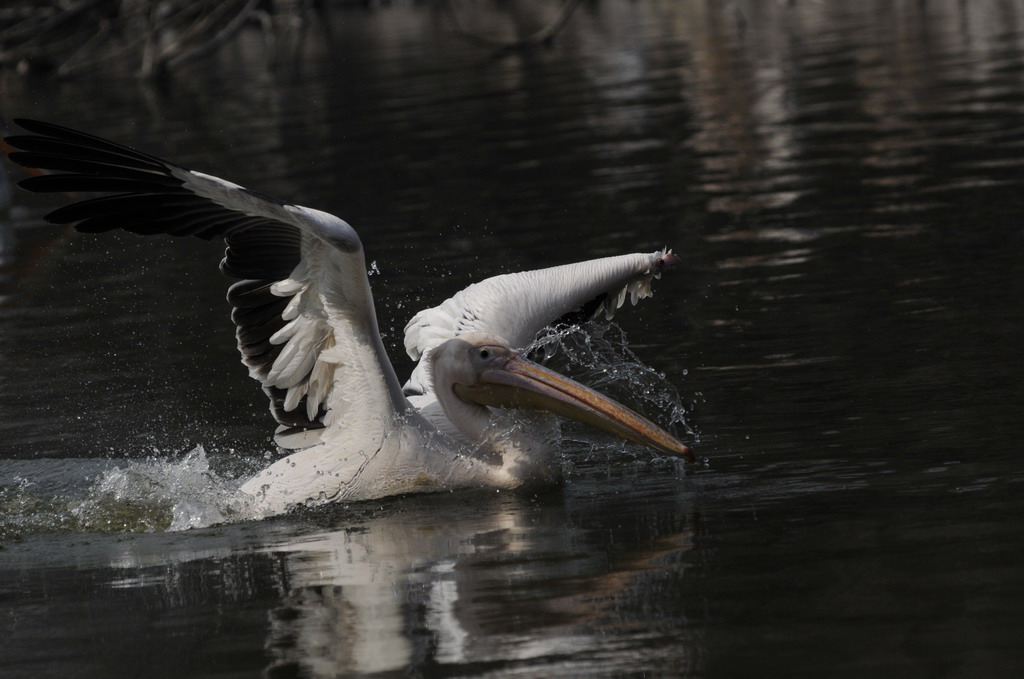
(307, 331)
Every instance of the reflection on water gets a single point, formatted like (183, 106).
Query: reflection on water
(472, 598)
(843, 184)
(470, 580)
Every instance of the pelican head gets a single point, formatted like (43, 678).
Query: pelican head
(332, 390)
(483, 370)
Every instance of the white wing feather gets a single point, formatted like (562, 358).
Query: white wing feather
(321, 347)
(517, 306)
(332, 348)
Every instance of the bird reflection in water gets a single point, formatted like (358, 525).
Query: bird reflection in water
(514, 585)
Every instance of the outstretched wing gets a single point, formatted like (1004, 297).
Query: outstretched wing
(306, 326)
(517, 306)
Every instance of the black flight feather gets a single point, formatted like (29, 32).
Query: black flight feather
(149, 196)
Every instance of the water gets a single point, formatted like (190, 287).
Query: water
(843, 184)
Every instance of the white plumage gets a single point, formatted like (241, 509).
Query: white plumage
(517, 306)
(307, 330)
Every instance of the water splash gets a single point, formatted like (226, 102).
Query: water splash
(162, 495)
(127, 497)
(599, 356)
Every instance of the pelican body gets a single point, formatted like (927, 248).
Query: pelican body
(307, 331)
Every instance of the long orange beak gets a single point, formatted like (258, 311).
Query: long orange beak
(518, 383)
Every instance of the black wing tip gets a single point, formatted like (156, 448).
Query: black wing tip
(17, 156)
(28, 123)
(37, 126)
(42, 127)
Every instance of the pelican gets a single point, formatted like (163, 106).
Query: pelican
(307, 331)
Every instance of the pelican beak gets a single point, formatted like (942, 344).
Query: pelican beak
(518, 383)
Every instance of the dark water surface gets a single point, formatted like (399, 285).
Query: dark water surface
(844, 183)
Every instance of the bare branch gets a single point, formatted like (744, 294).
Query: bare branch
(68, 37)
(31, 27)
(225, 35)
(544, 35)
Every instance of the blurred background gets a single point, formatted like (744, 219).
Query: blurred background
(843, 181)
